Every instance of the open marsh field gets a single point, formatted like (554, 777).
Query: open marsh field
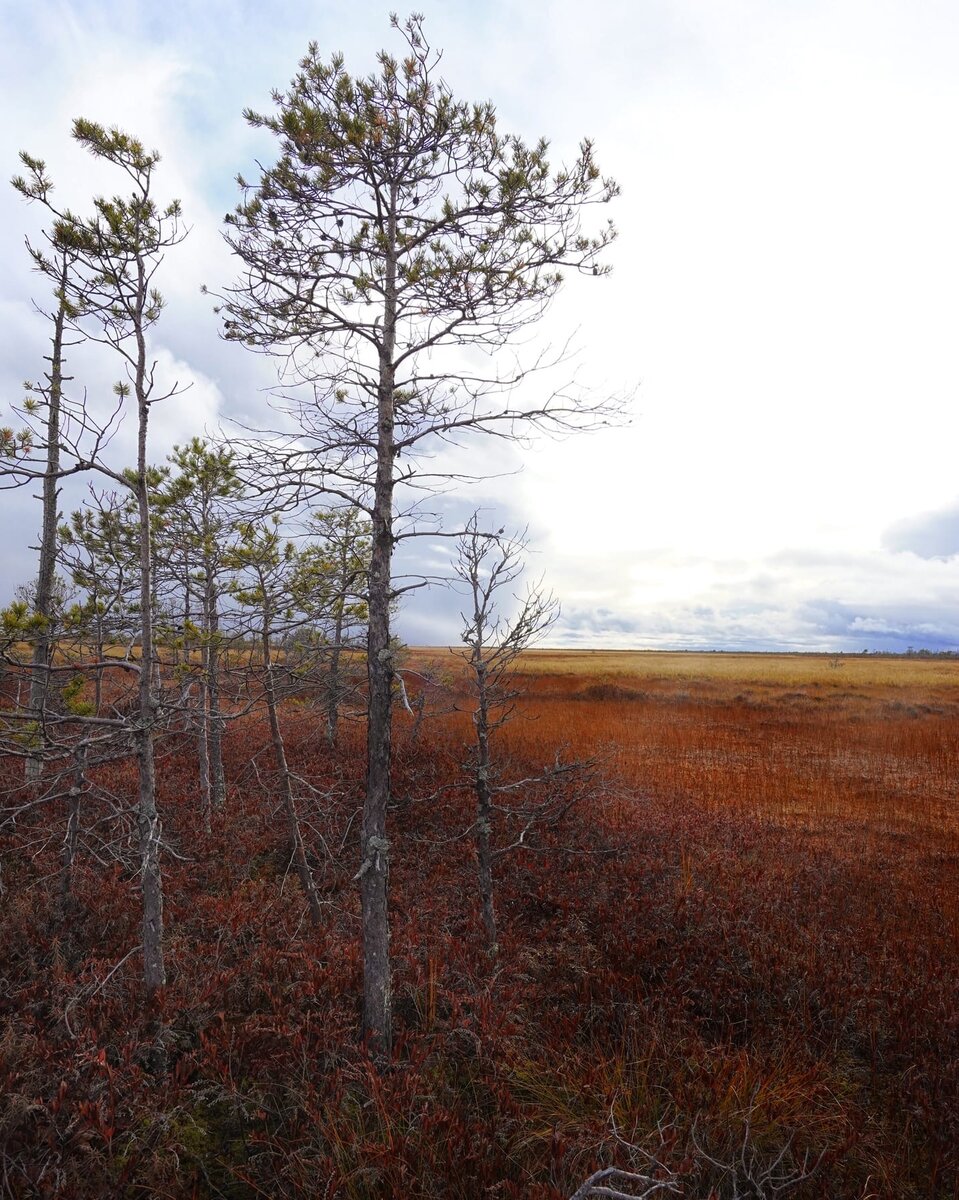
(833, 670)
(861, 742)
(736, 949)
(802, 814)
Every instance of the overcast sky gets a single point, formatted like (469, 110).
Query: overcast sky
(785, 292)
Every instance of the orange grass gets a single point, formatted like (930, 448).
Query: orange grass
(806, 812)
(745, 940)
(867, 744)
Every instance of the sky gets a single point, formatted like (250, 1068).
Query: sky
(782, 309)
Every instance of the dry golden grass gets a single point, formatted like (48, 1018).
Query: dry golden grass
(645, 666)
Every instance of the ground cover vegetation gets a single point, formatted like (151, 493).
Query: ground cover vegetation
(289, 909)
(741, 949)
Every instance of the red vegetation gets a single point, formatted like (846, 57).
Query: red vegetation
(747, 945)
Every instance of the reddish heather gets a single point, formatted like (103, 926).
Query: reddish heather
(743, 945)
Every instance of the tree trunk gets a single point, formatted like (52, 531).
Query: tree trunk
(99, 650)
(203, 755)
(211, 658)
(377, 1026)
(196, 714)
(69, 852)
(148, 821)
(217, 777)
(333, 681)
(43, 601)
(286, 788)
(484, 808)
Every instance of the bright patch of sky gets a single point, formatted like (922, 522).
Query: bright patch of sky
(783, 298)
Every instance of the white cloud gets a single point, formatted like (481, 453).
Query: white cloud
(194, 409)
(783, 287)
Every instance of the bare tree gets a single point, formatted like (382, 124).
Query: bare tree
(392, 253)
(488, 563)
(46, 395)
(510, 811)
(53, 420)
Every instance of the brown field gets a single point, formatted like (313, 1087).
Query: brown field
(819, 741)
(740, 947)
(805, 811)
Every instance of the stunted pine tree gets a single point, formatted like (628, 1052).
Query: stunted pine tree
(46, 396)
(114, 256)
(398, 228)
(99, 548)
(55, 425)
(330, 586)
(265, 562)
(199, 506)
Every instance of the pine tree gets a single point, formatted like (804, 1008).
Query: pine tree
(200, 511)
(114, 256)
(397, 228)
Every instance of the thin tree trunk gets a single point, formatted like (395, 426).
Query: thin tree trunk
(148, 820)
(374, 848)
(198, 716)
(203, 755)
(286, 788)
(98, 675)
(43, 601)
(484, 809)
(377, 1026)
(333, 681)
(217, 778)
(69, 852)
